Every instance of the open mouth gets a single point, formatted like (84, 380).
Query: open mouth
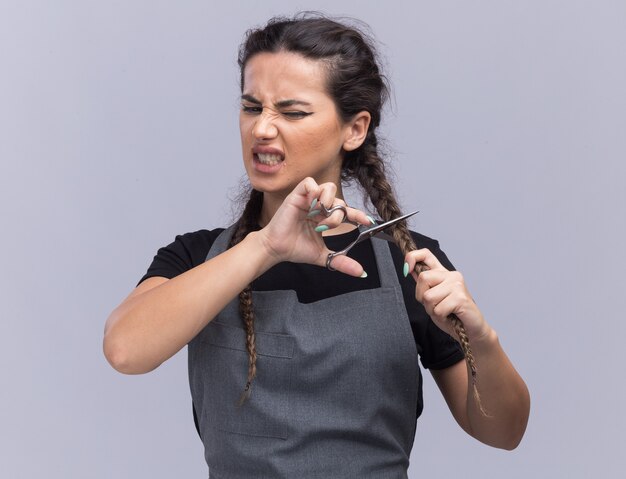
(268, 159)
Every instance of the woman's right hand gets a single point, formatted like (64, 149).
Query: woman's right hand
(161, 316)
(291, 236)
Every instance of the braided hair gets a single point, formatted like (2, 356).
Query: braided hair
(355, 83)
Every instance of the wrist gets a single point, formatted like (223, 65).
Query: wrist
(486, 338)
(262, 249)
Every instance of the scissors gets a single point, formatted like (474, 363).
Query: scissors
(364, 232)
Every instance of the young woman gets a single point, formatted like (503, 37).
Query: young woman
(297, 369)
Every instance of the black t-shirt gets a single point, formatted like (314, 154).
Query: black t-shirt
(437, 350)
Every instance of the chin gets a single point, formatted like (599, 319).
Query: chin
(270, 187)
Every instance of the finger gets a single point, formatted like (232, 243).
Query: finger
(309, 191)
(346, 265)
(433, 277)
(436, 294)
(305, 195)
(327, 194)
(360, 217)
(448, 305)
(336, 217)
(339, 207)
(425, 256)
(428, 280)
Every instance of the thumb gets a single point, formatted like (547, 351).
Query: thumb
(346, 265)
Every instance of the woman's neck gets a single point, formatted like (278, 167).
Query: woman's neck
(271, 203)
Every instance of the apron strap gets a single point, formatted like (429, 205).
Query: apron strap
(221, 242)
(384, 261)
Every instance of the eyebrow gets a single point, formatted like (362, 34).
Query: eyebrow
(280, 104)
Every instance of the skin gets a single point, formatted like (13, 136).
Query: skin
(310, 134)
(504, 394)
(161, 316)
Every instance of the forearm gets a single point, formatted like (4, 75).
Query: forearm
(149, 328)
(503, 394)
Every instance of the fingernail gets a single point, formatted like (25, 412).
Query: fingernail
(371, 219)
(313, 203)
(364, 275)
(405, 269)
(321, 228)
(313, 213)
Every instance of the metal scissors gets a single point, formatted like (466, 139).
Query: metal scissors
(364, 232)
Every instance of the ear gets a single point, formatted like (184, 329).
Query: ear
(356, 130)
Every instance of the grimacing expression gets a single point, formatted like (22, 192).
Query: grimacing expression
(289, 125)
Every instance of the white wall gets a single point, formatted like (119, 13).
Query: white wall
(118, 130)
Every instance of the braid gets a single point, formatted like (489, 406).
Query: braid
(247, 314)
(247, 223)
(355, 83)
(368, 168)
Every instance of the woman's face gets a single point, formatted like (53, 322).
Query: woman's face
(289, 125)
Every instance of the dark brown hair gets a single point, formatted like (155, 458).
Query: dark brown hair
(356, 84)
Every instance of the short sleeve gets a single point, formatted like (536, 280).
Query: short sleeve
(436, 348)
(186, 252)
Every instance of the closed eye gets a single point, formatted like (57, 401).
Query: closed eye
(296, 114)
(253, 110)
(292, 115)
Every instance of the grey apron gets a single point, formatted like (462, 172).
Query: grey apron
(335, 394)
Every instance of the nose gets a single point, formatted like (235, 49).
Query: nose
(264, 127)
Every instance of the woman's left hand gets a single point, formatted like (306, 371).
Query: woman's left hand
(443, 292)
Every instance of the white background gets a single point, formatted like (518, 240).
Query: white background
(118, 130)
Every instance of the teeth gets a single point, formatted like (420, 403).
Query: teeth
(269, 159)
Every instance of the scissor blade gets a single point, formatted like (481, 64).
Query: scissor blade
(383, 226)
(377, 230)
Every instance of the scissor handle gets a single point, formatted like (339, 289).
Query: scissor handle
(329, 211)
(362, 236)
(329, 258)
